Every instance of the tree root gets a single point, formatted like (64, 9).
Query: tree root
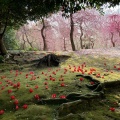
(112, 84)
(70, 98)
(88, 77)
(52, 101)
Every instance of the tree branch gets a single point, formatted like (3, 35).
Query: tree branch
(5, 27)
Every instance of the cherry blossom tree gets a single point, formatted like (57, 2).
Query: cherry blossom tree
(111, 29)
(114, 28)
(26, 37)
(58, 32)
(90, 30)
(42, 26)
(86, 23)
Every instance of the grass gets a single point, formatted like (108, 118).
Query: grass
(99, 110)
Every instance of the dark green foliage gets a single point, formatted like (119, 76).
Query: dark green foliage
(17, 12)
(10, 40)
(71, 6)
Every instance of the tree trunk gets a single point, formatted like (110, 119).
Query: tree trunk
(81, 34)
(119, 33)
(71, 32)
(91, 43)
(23, 46)
(112, 41)
(43, 36)
(3, 50)
(64, 44)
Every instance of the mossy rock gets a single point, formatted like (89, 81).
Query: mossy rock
(74, 107)
(72, 117)
(111, 84)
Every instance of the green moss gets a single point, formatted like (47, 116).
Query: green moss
(98, 110)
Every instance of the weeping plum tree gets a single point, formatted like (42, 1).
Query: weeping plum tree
(53, 32)
(26, 37)
(114, 28)
(93, 25)
(61, 30)
(110, 29)
(71, 6)
(86, 22)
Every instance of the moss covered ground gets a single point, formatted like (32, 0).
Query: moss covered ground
(23, 86)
